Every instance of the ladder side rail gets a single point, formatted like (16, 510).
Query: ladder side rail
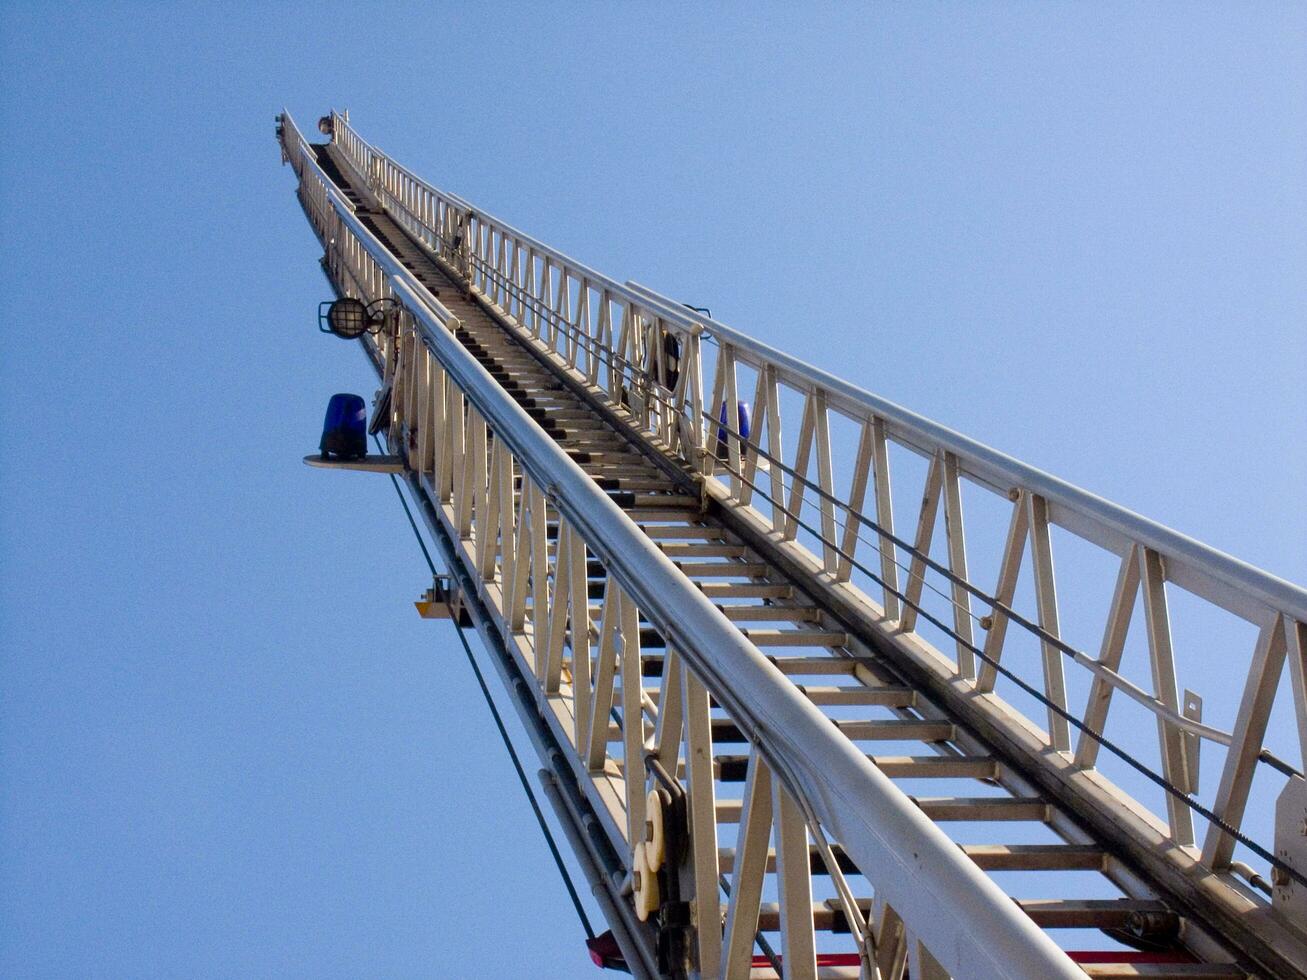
(983, 932)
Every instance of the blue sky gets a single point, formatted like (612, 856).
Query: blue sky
(227, 744)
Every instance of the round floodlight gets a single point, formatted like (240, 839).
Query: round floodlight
(347, 317)
(325, 126)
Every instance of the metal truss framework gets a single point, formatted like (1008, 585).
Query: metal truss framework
(637, 662)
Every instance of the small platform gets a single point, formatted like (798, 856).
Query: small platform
(368, 464)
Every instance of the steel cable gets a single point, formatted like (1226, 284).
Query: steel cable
(499, 724)
(1161, 781)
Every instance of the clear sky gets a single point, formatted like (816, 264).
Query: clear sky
(228, 746)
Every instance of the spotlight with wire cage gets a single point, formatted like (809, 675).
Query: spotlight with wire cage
(345, 317)
(351, 318)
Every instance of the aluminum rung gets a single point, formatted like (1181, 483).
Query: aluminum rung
(796, 638)
(591, 440)
(692, 531)
(774, 614)
(652, 665)
(569, 430)
(813, 665)
(723, 569)
(663, 501)
(636, 484)
(1098, 913)
(1047, 913)
(891, 697)
(582, 456)
(1164, 971)
(631, 466)
(652, 511)
(1036, 857)
(691, 549)
(746, 590)
(902, 729)
(563, 415)
(733, 768)
(983, 808)
(935, 766)
(991, 857)
(799, 667)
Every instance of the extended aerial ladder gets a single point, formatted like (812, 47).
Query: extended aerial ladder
(786, 732)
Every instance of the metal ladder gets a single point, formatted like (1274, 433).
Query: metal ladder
(753, 874)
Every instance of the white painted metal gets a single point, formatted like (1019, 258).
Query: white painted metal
(934, 908)
(909, 860)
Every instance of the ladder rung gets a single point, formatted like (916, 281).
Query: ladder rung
(636, 484)
(652, 513)
(828, 916)
(723, 569)
(652, 664)
(1035, 857)
(903, 729)
(620, 468)
(991, 857)
(675, 532)
(982, 808)
(890, 697)
(733, 768)
(935, 766)
(773, 614)
(692, 549)
(582, 456)
(1096, 913)
(813, 665)
(746, 590)
(664, 501)
(1164, 971)
(796, 638)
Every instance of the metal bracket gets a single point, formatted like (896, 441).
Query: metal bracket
(1192, 741)
(443, 601)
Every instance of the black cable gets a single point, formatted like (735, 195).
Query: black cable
(409, 514)
(1161, 781)
(499, 724)
(637, 375)
(1264, 755)
(526, 787)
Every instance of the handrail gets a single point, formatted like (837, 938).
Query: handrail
(877, 825)
(1003, 471)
